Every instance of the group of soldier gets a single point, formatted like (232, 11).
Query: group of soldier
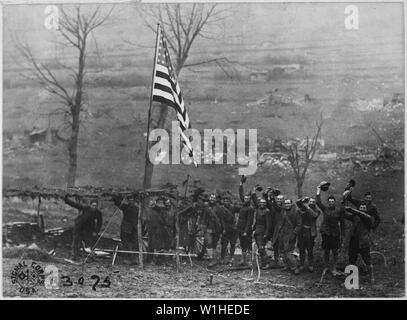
(268, 215)
(261, 215)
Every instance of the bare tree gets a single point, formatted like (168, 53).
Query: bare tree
(182, 24)
(75, 29)
(300, 156)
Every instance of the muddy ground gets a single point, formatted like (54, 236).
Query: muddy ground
(165, 282)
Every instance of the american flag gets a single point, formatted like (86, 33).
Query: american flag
(167, 91)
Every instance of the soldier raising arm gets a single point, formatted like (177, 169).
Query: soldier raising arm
(371, 207)
(244, 222)
(360, 241)
(332, 227)
(84, 225)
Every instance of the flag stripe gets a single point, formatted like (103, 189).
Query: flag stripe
(163, 87)
(166, 90)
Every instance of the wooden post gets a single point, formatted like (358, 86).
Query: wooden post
(140, 232)
(177, 225)
(177, 229)
(39, 220)
(177, 240)
(143, 199)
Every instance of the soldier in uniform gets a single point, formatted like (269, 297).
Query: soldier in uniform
(171, 220)
(332, 228)
(309, 214)
(244, 223)
(275, 203)
(128, 227)
(87, 224)
(230, 234)
(158, 231)
(360, 241)
(213, 227)
(289, 229)
(262, 229)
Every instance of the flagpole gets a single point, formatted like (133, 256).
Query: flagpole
(142, 206)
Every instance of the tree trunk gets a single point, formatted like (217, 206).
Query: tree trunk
(75, 112)
(300, 183)
(73, 151)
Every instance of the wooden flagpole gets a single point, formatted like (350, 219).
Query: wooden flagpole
(142, 205)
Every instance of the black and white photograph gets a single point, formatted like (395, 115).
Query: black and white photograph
(202, 151)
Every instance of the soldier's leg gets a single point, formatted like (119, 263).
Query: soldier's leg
(126, 243)
(216, 237)
(326, 247)
(259, 238)
(276, 252)
(353, 251)
(310, 251)
(76, 239)
(365, 255)
(302, 247)
(211, 242)
(204, 248)
(335, 248)
(232, 241)
(246, 258)
(243, 246)
(224, 245)
(134, 246)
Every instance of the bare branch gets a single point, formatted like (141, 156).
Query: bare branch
(182, 25)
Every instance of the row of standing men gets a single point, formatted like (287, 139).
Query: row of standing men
(269, 216)
(259, 217)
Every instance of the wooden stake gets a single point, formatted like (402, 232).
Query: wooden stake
(143, 202)
(39, 220)
(177, 236)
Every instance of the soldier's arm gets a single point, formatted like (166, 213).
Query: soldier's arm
(241, 192)
(318, 199)
(254, 199)
(73, 204)
(269, 200)
(269, 222)
(355, 202)
(254, 221)
(364, 216)
(313, 213)
(347, 214)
